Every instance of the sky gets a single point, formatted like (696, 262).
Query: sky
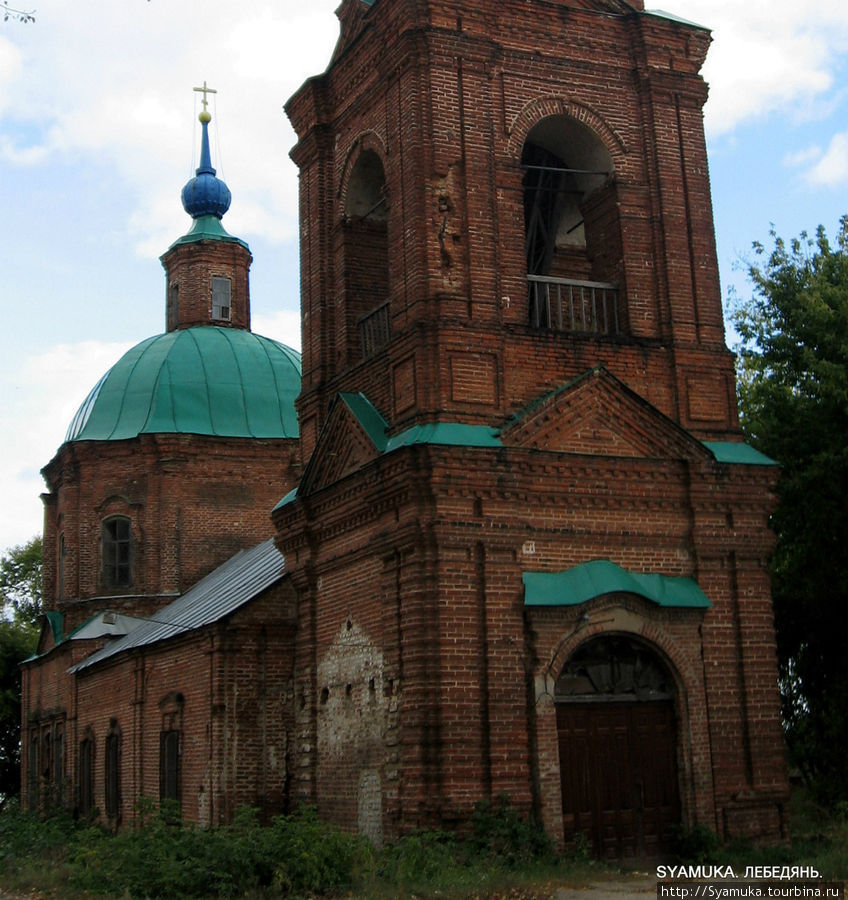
(99, 132)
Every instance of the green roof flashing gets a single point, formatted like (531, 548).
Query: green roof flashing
(450, 434)
(369, 418)
(207, 228)
(661, 14)
(290, 496)
(54, 620)
(600, 576)
(738, 453)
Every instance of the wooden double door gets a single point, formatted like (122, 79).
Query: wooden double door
(618, 764)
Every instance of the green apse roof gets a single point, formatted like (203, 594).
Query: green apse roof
(204, 380)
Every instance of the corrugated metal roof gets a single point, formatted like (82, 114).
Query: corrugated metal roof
(220, 593)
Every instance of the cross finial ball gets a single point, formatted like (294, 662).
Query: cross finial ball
(204, 114)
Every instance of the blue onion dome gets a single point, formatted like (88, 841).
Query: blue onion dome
(203, 380)
(206, 195)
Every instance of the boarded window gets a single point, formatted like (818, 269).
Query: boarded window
(221, 297)
(115, 541)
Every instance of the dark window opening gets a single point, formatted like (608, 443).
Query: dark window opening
(169, 766)
(61, 567)
(366, 259)
(116, 544)
(33, 767)
(173, 305)
(86, 777)
(113, 775)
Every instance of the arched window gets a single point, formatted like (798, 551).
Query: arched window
(116, 552)
(366, 259)
(614, 667)
(572, 240)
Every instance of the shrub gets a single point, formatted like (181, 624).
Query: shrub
(313, 856)
(499, 833)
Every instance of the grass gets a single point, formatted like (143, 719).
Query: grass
(501, 857)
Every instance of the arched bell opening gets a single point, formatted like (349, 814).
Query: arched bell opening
(365, 242)
(571, 229)
(617, 737)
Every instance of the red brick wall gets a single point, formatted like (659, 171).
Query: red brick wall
(226, 689)
(416, 585)
(193, 501)
(190, 269)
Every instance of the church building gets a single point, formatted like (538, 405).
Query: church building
(521, 547)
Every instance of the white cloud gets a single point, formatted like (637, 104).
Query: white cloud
(802, 157)
(41, 397)
(282, 326)
(127, 100)
(767, 55)
(832, 169)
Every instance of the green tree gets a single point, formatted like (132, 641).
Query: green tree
(20, 582)
(20, 591)
(793, 393)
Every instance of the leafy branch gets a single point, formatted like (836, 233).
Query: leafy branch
(22, 15)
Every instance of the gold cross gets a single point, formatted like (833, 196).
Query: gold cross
(205, 90)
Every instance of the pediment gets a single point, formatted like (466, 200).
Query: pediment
(354, 434)
(598, 415)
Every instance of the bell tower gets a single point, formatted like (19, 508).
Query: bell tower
(511, 194)
(514, 381)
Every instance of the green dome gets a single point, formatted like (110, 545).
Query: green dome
(203, 380)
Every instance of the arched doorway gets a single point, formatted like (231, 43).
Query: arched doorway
(617, 736)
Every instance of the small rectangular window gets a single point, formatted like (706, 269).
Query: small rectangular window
(221, 297)
(115, 540)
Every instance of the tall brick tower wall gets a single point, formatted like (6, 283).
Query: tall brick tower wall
(515, 384)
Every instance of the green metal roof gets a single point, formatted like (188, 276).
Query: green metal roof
(204, 380)
(207, 228)
(741, 454)
(599, 577)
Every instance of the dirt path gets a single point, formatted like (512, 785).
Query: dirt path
(638, 886)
